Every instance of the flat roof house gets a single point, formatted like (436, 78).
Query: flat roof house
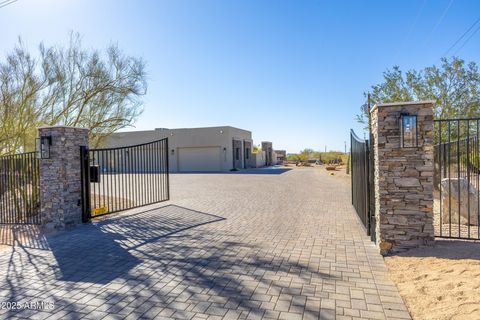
(196, 149)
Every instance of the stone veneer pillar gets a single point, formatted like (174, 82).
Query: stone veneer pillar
(403, 178)
(60, 182)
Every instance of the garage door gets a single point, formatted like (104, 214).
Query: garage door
(199, 159)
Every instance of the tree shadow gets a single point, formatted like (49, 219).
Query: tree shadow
(158, 258)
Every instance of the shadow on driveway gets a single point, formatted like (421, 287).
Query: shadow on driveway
(152, 259)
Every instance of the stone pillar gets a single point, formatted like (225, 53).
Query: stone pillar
(60, 182)
(403, 177)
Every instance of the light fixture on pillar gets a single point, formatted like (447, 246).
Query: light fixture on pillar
(173, 152)
(408, 137)
(43, 147)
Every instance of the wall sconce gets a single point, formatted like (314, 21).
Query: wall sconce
(221, 131)
(225, 153)
(408, 137)
(43, 147)
(173, 152)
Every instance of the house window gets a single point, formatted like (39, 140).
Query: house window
(247, 153)
(237, 153)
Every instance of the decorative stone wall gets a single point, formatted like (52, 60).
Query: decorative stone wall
(403, 178)
(60, 182)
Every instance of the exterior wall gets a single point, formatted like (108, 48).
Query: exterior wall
(237, 158)
(247, 153)
(60, 178)
(274, 158)
(258, 160)
(403, 178)
(281, 156)
(267, 147)
(221, 137)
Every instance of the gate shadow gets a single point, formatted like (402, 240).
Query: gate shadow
(103, 250)
(157, 258)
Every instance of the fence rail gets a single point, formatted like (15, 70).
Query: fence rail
(19, 189)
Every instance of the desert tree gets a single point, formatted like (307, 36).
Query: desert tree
(68, 85)
(454, 85)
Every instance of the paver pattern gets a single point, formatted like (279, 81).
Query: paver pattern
(248, 245)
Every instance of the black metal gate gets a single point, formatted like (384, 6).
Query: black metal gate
(457, 178)
(117, 179)
(19, 189)
(362, 182)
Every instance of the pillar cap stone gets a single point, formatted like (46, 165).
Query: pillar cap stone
(406, 103)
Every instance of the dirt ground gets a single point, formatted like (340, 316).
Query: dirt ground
(339, 173)
(442, 282)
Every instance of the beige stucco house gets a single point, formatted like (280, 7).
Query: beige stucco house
(209, 149)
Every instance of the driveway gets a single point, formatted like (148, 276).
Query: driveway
(259, 244)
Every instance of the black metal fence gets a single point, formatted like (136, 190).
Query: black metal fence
(19, 189)
(117, 179)
(457, 178)
(362, 182)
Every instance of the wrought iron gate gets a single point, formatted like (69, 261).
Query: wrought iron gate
(362, 182)
(457, 178)
(19, 189)
(117, 179)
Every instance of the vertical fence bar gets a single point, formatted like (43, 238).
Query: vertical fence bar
(441, 150)
(449, 182)
(161, 155)
(477, 173)
(167, 169)
(156, 160)
(149, 174)
(468, 176)
(2, 191)
(135, 172)
(458, 175)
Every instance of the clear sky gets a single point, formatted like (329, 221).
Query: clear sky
(292, 72)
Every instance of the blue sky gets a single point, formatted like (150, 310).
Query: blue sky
(292, 72)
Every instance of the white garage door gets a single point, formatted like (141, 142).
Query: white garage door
(199, 159)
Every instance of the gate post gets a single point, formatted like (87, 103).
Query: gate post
(60, 177)
(403, 176)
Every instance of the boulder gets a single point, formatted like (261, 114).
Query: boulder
(459, 191)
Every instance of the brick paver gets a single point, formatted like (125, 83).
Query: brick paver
(227, 246)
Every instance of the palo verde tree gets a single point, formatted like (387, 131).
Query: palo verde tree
(67, 85)
(454, 85)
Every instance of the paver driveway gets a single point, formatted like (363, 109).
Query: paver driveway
(283, 245)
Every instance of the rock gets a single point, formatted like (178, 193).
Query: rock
(385, 246)
(451, 199)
